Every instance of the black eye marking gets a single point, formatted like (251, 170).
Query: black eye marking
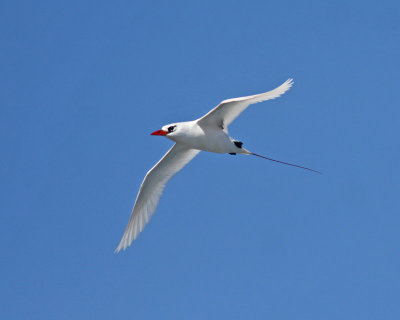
(171, 129)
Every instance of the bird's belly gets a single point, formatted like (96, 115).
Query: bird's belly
(218, 142)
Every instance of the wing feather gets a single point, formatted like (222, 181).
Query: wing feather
(151, 189)
(229, 110)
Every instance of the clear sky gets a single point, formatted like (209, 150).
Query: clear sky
(83, 83)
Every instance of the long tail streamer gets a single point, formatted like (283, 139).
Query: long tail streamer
(289, 164)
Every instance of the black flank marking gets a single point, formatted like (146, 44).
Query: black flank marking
(238, 144)
(232, 153)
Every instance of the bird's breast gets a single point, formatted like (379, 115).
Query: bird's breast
(216, 141)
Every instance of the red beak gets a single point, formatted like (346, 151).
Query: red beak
(159, 133)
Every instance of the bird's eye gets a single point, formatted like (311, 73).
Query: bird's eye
(171, 129)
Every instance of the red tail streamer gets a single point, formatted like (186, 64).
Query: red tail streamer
(289, 164)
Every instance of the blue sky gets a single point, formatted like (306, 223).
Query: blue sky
(83, 85)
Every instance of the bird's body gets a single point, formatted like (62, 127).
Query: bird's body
(209, 133)
(205, 138)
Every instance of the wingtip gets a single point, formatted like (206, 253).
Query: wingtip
(289, 82)
(118, 249)
(121, 247)
(126, 240)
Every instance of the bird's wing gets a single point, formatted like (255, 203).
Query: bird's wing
(151, 189)
(227, 111)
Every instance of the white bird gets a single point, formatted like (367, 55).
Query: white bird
(209, 133)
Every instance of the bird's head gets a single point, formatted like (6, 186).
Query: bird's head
(169, 131)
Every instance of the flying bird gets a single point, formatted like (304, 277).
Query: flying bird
(209, 133)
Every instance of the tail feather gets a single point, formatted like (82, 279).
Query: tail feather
(289, 164)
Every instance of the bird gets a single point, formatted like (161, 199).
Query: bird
(208, 133)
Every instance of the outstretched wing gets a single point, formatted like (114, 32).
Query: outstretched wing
(151, 189)
(228, 110)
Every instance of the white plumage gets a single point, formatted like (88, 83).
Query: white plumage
(209, 133)
(151, 189)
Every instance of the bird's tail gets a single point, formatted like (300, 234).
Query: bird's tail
(289, 164)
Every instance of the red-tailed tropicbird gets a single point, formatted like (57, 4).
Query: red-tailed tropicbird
(209, 133)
